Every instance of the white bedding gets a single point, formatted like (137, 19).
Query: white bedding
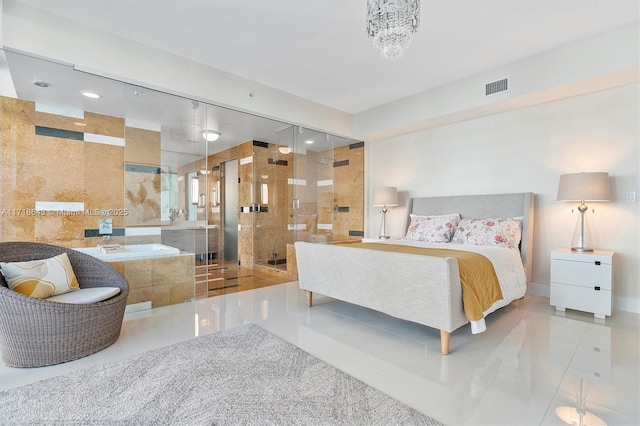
(506, 262)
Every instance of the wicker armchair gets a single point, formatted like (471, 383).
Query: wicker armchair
(36, 332)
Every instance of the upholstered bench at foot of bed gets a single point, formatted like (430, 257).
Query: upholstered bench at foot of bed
(445, 336)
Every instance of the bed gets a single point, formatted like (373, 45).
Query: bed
(412, 286)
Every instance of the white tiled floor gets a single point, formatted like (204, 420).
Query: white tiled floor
(529, 362)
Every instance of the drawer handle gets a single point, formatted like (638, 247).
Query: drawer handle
(597, 263)
(597, 288)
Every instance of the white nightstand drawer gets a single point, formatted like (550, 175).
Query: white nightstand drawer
(582, 281)
(584, 274)
(581, 298)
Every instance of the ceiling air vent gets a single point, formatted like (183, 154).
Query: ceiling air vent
(497, 86)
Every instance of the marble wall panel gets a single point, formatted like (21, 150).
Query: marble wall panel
(59, 229)
(160, 295)
(245, 239)
(91, 123)
(177, 274)
(18, 228)
(17, 138)
(142, 146)
(49, 167)
(140, 295)
(104, 125)
(138, 273)
(181, 293)
(143, 198)
(63, 180)
(104, 183)
(346, 193)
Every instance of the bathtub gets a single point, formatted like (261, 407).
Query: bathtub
(133, 251)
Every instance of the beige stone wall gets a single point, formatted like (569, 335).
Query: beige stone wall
(340, 205)
(58, 169)
(50, 165)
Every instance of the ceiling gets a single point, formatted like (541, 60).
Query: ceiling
(319, 50)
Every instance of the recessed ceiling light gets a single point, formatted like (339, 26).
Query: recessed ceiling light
(308, 142)
(41, 83)
(210, 135)
(90, 94)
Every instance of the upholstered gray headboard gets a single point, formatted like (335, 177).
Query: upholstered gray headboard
(481, 207)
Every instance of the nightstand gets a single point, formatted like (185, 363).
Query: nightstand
(582, 281)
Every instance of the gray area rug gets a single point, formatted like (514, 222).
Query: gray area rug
(243, 376)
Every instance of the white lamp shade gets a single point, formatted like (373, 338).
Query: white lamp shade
(584, 187)
(386, 196)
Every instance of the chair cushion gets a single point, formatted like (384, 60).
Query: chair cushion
(86, 295)
(41, 278)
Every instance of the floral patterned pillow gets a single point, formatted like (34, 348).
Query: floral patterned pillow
(434, 229)
(501, 232)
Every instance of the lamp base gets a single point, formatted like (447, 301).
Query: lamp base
(581, 237)
(582, 250)
(383, 224)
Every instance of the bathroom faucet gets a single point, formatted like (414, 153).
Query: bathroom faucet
(106, 237)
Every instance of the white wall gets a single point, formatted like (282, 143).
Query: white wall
(527, 150)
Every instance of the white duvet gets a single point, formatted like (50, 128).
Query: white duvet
(506, 262)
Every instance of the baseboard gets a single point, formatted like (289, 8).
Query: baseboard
(620, 303)
(538, 290)
(626, 304)
(135, 307)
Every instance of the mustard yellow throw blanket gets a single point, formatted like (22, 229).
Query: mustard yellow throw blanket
(480, 286)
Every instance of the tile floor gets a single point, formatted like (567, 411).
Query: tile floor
(529, 362)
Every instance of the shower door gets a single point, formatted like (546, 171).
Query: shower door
(230, 208)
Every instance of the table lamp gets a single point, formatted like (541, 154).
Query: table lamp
(385, 197)
(593, 186)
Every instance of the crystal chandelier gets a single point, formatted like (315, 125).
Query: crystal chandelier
(391, 24)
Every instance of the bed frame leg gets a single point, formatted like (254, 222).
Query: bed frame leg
(444, 342)
(309, 298)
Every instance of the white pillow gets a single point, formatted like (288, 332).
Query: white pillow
(41, 278)
(86, 295)
(434, 229)
(500, 232)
